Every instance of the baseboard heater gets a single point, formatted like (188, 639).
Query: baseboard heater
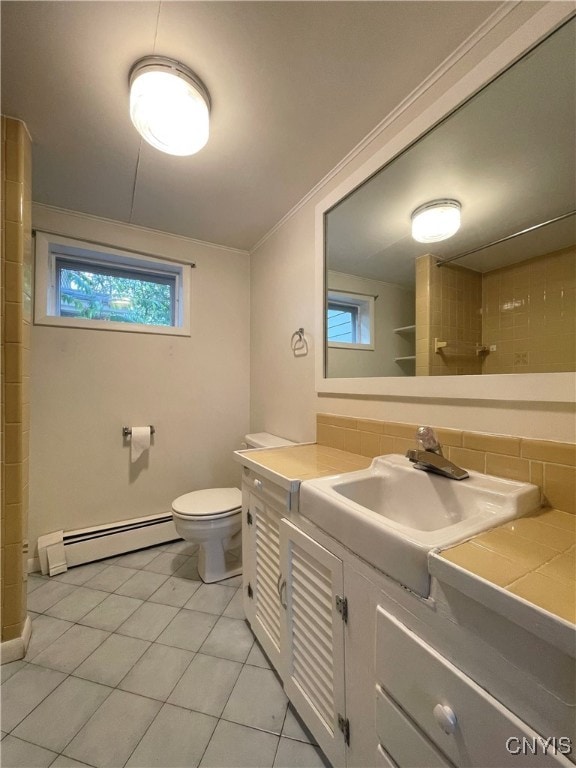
(61, 550)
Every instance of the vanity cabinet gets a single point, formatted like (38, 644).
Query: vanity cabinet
(380, 676)
(293, 591)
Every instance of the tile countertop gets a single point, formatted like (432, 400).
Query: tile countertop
(289, 466)
(532, 557)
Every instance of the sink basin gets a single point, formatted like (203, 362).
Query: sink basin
(392, 514)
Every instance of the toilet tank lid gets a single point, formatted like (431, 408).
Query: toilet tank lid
(266, 440)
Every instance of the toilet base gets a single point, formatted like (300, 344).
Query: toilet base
(215, 563)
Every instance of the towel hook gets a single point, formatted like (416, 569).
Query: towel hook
(297, 336)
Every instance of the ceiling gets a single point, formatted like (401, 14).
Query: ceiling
(294, 87)
(508, 156)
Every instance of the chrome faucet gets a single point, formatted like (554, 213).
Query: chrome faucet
(429, 456)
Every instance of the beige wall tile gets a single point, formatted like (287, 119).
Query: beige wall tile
(12, 612)
(537, 473)
(407, 431)
(352, 440)
(13, 280)
(15, 162)
(560, 487)
(510, 467)
(12, 554)
(547, 450)
(11, 632)
(14, 202)
(449, 436)
(13, 363)
(401, 445)
(13, 447)
(13, 483)
(386, 445)
(12, 524)
(464, 457)
(13, 322)
(333, 437)
(370, 425)
(509, 446)
(369, 444)
(342, 421)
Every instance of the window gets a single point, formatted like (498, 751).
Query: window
(88, 286)
(350, 320)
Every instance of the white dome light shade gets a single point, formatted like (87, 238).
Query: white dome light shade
(437, 220)
(169, 106)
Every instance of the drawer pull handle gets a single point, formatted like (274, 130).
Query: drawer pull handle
(445, 718)
(258, 484)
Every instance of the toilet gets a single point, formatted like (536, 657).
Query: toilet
(212, 518)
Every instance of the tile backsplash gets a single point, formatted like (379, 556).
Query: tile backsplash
(550, 465)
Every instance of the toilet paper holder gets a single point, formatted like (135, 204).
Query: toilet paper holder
(127, 431)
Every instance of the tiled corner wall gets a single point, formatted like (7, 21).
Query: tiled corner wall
(16, 321)
(548, 464)
(447, 308)
(529, 315)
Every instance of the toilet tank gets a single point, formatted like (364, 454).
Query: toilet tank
(265, 440)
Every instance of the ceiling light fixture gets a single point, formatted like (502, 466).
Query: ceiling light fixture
(437, 220)
(169, 105)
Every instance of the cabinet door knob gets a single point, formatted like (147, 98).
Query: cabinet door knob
(445, 718)
(257, 484)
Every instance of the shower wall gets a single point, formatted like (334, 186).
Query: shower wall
(16, 317)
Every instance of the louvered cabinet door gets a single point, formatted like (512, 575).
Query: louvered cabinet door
(313, 638)
(264, 609)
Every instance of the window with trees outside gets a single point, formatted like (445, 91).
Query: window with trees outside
(87, 286)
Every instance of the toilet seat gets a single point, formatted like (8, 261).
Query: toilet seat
(208, 504)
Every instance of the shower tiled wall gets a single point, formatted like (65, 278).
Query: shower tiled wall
(16, 322)
(448, 309)
(529, 315)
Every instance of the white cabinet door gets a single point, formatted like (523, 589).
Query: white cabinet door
(261, 542)
(312, 638)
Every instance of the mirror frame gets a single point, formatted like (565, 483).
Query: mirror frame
(534, 387)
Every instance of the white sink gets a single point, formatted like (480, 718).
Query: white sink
(392, 514)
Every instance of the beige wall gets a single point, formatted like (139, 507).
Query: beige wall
(16, 319)
(87, 384)
(283, 397)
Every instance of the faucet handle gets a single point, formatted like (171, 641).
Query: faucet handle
(427, 440)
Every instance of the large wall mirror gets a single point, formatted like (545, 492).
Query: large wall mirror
(498, 295)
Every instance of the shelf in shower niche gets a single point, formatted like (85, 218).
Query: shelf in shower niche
(403, 359)
(405, 329)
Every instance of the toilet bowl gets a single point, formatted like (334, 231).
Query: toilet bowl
(212, 518)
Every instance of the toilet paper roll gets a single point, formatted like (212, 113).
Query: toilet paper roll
(140, 442)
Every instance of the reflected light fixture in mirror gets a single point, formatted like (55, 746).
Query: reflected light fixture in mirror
(169, 105)
(435, 221)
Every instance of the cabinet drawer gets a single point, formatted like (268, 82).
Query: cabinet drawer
(269, 492)
(401, 739)
(468, 724)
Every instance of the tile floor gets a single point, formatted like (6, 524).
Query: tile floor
(134, 661)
